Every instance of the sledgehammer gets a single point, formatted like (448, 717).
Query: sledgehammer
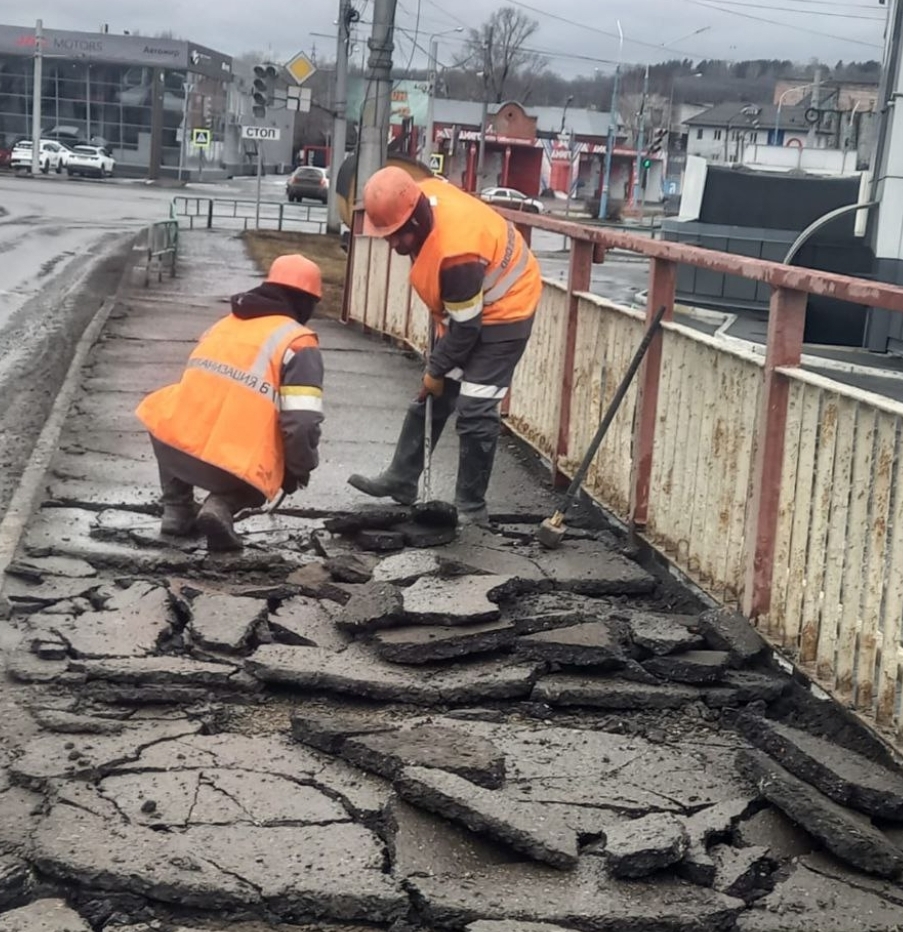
(552, 530)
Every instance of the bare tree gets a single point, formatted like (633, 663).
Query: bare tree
(499, 49)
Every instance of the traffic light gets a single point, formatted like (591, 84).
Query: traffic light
(658, 140)
(264, 88)
(647, 163)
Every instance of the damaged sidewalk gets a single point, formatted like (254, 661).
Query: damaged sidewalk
(358, 724)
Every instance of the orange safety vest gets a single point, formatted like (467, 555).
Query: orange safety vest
(225, 409)
(463, 225)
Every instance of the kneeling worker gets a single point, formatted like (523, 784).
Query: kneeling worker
(244, 421)
(482, 285)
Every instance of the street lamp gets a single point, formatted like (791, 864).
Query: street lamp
(431, 81)
(777, 118)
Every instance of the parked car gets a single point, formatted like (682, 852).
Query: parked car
(511, 199)
(53, 156)
(93, 161)
(308, 181)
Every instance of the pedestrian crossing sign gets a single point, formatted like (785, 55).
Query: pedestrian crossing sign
(437, 162)
(200, 138)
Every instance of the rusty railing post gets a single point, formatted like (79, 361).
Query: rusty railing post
(662, 284)
(786, 323)
(579, 279)
(357, 226)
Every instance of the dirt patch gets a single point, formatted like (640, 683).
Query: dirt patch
(264, 246)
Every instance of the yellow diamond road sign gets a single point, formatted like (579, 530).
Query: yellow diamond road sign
(300, 68)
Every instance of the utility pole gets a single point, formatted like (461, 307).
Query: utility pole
(377, 106)
(609, 146)
(36, 103)
(884, 232)
(157, 116)
(816, 97)
(612, 131)
(430, 106)
(484, 118)
(340, 125)
(640, 144)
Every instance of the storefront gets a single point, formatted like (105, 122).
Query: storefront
(100, 88)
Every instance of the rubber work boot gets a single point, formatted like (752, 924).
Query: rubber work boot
(474, 469)
(399, 481)
(180, 510)
(215, 520)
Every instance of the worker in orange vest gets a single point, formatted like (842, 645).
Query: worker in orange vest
(481, 284)
(244, 421)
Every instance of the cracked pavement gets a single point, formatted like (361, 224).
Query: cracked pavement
(481, 735)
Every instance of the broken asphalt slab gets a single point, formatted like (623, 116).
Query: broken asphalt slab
(586, 567)
(332, 871)
(731, 631)
(359, 672)
(846, 777)
(643, 846)
(428, 643)
(462, 600)
(424, 844)
(451, 749)
(662, 634)
(848, 835)
(818, 898)
(131, 624)
(47, 915)
(371, 607)
(599, 644)
(696, 667)
(224, 622)
(585, 898)
(64, 757)
(611, 693)
(529, 828)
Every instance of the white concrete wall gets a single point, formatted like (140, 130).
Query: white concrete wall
(693, 187)
(792, 158)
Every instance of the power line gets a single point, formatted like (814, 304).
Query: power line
(771, 22)
(785, 9)
(603, 32)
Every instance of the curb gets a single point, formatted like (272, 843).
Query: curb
(22, 504)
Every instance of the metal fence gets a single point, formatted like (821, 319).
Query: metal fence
(777, 490)
(161, 249)
(210, 213)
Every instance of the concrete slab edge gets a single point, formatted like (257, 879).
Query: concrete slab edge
(24, 499)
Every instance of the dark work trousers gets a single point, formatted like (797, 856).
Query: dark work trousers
(180, 472)
(475, 391)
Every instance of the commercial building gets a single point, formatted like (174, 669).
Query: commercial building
(135, 95)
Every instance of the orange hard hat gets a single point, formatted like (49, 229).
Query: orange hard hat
(297, 271)
(390, 197)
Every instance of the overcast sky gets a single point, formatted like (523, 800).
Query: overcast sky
(574, 39)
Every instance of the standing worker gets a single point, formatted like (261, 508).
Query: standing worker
(244, 421)
(482, 285)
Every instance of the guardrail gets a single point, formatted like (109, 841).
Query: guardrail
(161, 249)
(778, 491)
(238, 213)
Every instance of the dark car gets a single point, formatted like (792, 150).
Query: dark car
(308, 181)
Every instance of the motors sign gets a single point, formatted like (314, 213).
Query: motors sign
(261, 133)
(105, 47)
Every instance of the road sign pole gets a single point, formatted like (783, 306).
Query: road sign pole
(259, 173)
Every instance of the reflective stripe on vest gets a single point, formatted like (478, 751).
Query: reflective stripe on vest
(499, 281)
(255, 377)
